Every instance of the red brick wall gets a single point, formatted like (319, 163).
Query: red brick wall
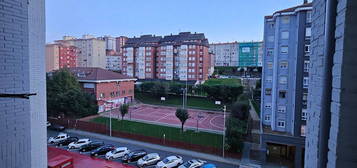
(126, 89)
(67, 56)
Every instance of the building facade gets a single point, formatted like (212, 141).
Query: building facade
(285, 77)
(250, 54)
(111, 89)
(60, 56)
(332, 96)
(110, 42)
(225, 54)
(175, 57)
(114, 63)
(120, 42)
(22, 64)
(91, 50)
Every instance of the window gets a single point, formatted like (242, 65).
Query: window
(281, 109)
(285, 35)
(270, 52)
(308, 16)
(271, 25)
(270, 65)
(283, 80)
(102, 95)
(304, 114)
(269, 79)
(306, 82)
(267, 117)
(268, 91)
(284, 49)
(282, 94)
(307, 48)
(270, 38)
(308, 32)
(306, 65)
(304, 97)
(281, 123)
(302, 129)
(285, 20)
(268, 105)
(284, 65)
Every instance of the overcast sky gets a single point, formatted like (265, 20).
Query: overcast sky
(220, 20)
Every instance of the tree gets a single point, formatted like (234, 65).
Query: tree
(124, 109)
(65, 97)
(160, 89)
(182, 115)
(227, 94)
(240, 110)
(236, 129)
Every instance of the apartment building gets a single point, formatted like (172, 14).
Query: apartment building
(110, 42)
(174, 57)
(114, 61)
(226, 54)
(23, 84)
(60, 56)
(250, 54)
(91, 50)
(120, 42)
(285, 81)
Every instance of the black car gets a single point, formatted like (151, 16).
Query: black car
(134, 156)
(102, 150)
(56, 127)
(91, 146)
(67, 141)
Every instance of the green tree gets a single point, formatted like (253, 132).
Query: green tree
(182, 115)
(160, 89)
(227, 94)
(240, 110)
(124, 109)
(236, 129)
(65, 97)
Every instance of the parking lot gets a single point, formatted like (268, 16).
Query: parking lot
(131, 147)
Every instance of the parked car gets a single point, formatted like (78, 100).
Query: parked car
(194, 163)
(169, 162)
(149, 159)
(117, 153)
(67, 141)
(134, 156)
(56, 127)
(48, 124)
(59, 137)
(208, 165)
(102, 150)
(91, 146)
(79, 143)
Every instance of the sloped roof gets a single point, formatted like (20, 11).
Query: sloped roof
(97, 74)
(292, 9)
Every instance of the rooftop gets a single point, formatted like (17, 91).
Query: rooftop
(292, 9)
(97, 74)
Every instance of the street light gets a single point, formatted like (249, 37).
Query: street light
(224, 124)
(110, 115)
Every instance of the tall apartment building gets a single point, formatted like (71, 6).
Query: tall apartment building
(285, 82)
(332, 100)
(120, 42)
(60, 56)
(226, 54)
(91, 50)
(22, 64)
(110, 42)
(175, 57)
(250, 54)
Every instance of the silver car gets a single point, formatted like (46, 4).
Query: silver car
(149, 159)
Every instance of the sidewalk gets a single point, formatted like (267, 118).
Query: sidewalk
(159, 147)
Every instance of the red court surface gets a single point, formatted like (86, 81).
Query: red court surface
(210, 120)
(84, 161)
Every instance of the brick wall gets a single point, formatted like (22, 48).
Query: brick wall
(126, 89)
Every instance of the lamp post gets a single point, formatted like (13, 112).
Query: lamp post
(110, 116)
(224, 124)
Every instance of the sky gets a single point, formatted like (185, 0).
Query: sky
(219, 20)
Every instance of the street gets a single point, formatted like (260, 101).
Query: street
(162, 154)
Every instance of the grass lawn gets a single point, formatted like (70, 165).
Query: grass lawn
(256, 106)
(193, 102)
(171, 133)
(229, 82)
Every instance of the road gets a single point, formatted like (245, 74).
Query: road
(162, 154)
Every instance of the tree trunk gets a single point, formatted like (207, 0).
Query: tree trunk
(182, 127)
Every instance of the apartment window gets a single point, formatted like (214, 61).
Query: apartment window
(283, 80)
(304, 97)
(304, 114)
(269, 79)
(306, 65)
(284, 49)
(271, 25)
(284, 65)
(285, 20)
(270, 38)
(270, 65)
(268, 105)
(268, 91)
(308, 32)
(281, 123)
(270, 52)
(282, 94)
(308, 16)
(102, 95)
(123, 92)
(267, 117)
(306, 82)
(285, 35)
(281, 109)
(302, 129)
(307, 48)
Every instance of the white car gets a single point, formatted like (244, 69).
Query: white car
(194, 163)
(59, 137)
(79, 143)
(117, 153)
(169, 162)
(149, 159)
